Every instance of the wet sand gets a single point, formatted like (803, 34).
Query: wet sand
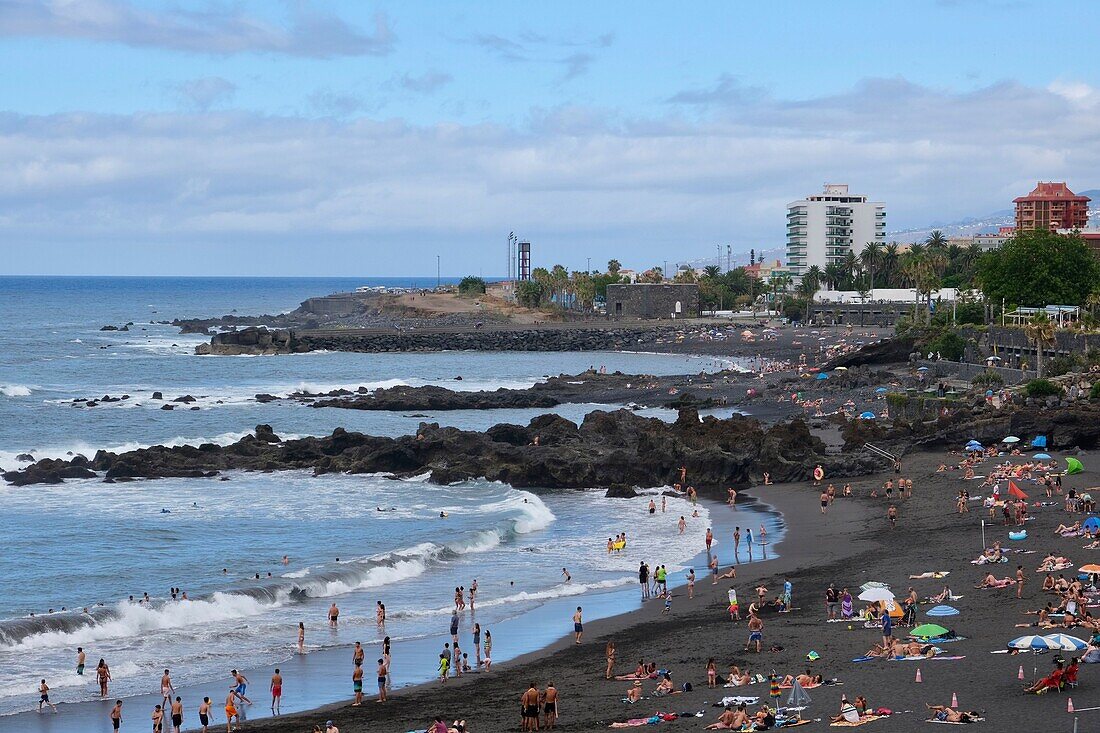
(851, 545)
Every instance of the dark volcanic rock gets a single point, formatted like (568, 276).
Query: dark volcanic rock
(432, 398)
(607, 449)
(621, 491)
(158, 396)
(185, 399)
(25, 457)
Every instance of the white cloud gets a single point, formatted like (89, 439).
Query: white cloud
(570, 175)
(222, 29)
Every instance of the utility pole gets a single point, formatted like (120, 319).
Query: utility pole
(729, 254)
(589, 270)
(437, 272)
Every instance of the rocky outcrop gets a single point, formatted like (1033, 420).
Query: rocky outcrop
(607, 450)
(432, 398)
(262, 341)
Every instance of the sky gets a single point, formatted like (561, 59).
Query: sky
(320, 137)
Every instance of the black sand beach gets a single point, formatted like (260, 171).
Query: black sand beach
(851, 545)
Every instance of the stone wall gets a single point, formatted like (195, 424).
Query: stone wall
(653, 300)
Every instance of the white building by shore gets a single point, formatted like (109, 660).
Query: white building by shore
(825, 227)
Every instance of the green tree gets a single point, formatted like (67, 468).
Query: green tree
(613, 267)
(685, 276)
(890, 257)
(1037, 268)
(471, 285)
(833, 275)
(870, 256)
(936, 240)
(816, 274)
(529, 294)
(712, 271)
(652, 275)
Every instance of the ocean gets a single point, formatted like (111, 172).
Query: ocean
(88, 546)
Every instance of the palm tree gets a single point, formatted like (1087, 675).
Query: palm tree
(815, 274)
(851, 264)
(936, 240)
(870, 256)
(712, 271)
(613, 267)
(890, 262)
(833, 274)
(916, 248)
(1040, 330)
(807, 289)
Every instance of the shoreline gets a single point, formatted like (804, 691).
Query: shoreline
(790, 556)
(311, 678)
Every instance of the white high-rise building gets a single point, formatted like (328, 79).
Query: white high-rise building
(825, 227)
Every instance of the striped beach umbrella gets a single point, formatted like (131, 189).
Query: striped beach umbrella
(1033, 642)
(1065, 643)
(943, 611)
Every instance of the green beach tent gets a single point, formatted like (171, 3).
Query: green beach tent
(1073, 466)
(928, 631)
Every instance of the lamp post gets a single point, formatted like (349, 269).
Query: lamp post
(437, 272)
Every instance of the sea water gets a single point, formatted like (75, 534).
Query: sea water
(88, 546)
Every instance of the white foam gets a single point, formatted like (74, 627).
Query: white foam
(15, 390)
(68, 451)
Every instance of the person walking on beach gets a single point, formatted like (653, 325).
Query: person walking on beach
(454, 626)
(643, 578)
(166, 688)
(488, 660)
(177, 714)
(709, 539)
(578, 626)
(103, 676)
(609, 650)
(714, 570)
(204, 714)
(831, 601)
(383, 675)
(444, 664)
(736, 544)
(1019, 581)
(44, 696)
(824, 502)
(388, 660)
(301, 637)
(756, 633)
(748, 541)
(691, 582)
(116, 715)
(276, 691)
(887, 628)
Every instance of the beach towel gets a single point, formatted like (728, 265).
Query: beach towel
(792, 722)
(931, 574)
(954, 722)
(737, 700)
(865, 719)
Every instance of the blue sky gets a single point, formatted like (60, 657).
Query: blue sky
(323, 138)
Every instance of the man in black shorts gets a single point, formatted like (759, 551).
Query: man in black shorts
(529, 708)
(643, 579)
(116, 714)
(550, 705)
(204, 713)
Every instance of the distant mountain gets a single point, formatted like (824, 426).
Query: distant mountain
(971, 225)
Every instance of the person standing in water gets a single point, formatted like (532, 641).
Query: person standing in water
(103, 676)
(748, 541)
(565, 574)
(241, 685)
(488, 650)
(578, 626)
(477, 644)
(166, 688)
(473, 593)
(333, 615)
(204, 714)
(276, 691)
(357, 684)
(383, 674)
(80, 661)
(301, 637)
(231, 710)
(736, 544)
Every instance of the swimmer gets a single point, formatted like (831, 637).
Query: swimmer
(565, 574)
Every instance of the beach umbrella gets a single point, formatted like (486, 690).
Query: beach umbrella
(974, 445)
(1073, 466)
(1092, 568)
(867, 415)
(799, 699)
(822, 375)
(922, 369)
(1014, 490)
(840, 369)
(943, 611)
(880, 390)
(1039, 442)
(1011, 439)
(1065, 643)
(993, 358)
(872, 595)
(929, 631)
(1041, 456)
(1092, 523)
(1032, 642)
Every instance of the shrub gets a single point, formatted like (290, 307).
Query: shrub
(1094, 393)
(1060, 365)
(471, 285)
(1042, 388)
(949, 345)
(987, 379)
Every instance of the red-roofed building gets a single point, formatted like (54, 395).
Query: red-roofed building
(1052, 206)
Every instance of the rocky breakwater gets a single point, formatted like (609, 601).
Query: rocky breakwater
(574, 338)
(612, 450)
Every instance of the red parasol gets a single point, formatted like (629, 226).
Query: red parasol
(1015, 490)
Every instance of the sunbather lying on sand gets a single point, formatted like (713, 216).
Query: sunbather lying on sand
(1052, 563)
(806, 680)
(991, 582)
(945, 714)
(737, 678)
(731, 719)
(930, 574)
(1070, 530)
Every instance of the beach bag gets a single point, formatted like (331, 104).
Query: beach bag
(687, 687)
